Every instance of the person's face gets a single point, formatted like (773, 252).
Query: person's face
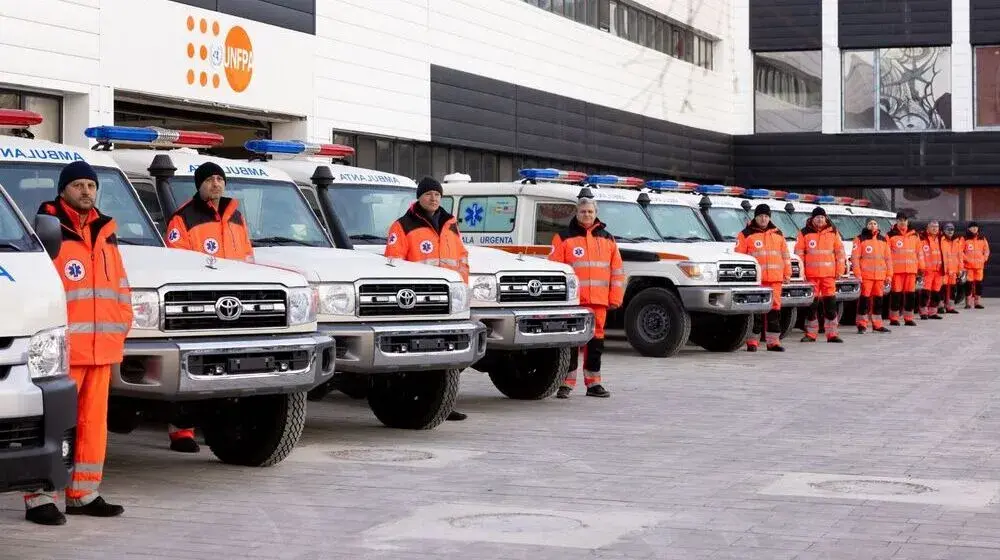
(974, 230)
(81, 195)
(819, 221)
(212, 189)
(586, 215)
(430, 201)
(949, 232)
(901, 222)
(872, 226)
(933, 228)
(762, 220)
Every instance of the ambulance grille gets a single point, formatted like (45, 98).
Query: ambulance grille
(21, 433)
(796, 269)
(737, 272)
(186, 310)
(532, 288)
(403, 299)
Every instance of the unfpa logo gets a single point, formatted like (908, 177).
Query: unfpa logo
(233, 56)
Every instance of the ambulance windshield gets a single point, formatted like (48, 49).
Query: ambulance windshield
(368, 211)
(275, 211)
(679, 223)
(31, 184)
(785, 223)
(848, 226)
(14, 237)
(729, 221)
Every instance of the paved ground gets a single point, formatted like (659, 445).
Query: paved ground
(698, 456)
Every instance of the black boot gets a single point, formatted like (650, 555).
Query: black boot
(185, 445)
(96, 508)
(456, 416)
(598, 391)
(563, 392)
(47, 514)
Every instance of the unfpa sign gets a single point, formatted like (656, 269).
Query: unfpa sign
(211, 58)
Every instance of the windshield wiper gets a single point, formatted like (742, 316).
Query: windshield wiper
(367, 237)
(10, 247)
(676, 238)
(277, 240)
(122, 241)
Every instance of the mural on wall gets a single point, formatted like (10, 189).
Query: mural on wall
(913, 84)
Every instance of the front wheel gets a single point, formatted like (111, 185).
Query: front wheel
(256, 431)
(531, 374)
(414, 400)
(656, 323)
(723, 333)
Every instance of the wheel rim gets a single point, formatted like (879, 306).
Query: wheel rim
(654, 323)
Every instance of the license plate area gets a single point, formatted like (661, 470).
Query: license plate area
(537, 325)
(751, 298)
(246, 363)
(402, 344)
(796, 292)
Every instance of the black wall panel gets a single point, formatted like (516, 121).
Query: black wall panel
(894, 23)
(786, 25)
(474, 111)
(984, 27)
(297, 15)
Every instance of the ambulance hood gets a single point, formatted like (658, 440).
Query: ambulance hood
(153, 267)
(709, 251)
(31, 295)
(485, 260)
(343, 265)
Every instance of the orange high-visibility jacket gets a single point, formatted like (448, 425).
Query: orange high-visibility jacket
(222, 232)
(594, 256)
(821, 251)
(870, 257)
(907, 258)
(413, 238)
(98, 298)
(976, 252)
(951, 254)
(930, 246)
(769, 248)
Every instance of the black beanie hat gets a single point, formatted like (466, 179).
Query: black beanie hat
(205, 171)
(818, 211)
(428, 184)
(76, 170)
(762, 209)
(902, 215)
(972, 224)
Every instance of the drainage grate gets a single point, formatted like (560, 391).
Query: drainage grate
(880, 487)
(517, 522)
(381, 455)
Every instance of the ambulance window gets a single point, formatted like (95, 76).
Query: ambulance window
(785, 223)
(147, 196)
(13, 235)
(486, 214)
(448, 203)
(848, 226)
(729, 221)
(313, 202)
(884, 224)
(679, 223)
(550, 219)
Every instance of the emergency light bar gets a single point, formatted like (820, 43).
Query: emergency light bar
(614, 180)
(671, 185)
(550, 174)
(298, 147)
(719, 189)
(792, 196)
(153, 135)
(809, 198)
(861, 202)
(830, 199)
(17, 118)
(765, 193)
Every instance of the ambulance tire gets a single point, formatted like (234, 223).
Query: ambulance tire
(256, 431)
(788, 317)
(414, 400)
(122, 418)
(656, 323)
(723, 333)
(353, 385)
(531, 375)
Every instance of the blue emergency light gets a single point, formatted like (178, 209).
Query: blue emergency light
(827, 199)
(719, 189)
(153, 135)
(550, 174)
(298, 147)
(791, 197)
(614, 180)
(671, 185)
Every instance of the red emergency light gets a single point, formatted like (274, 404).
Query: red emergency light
(10, 118)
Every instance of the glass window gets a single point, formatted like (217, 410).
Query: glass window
(983, 203)
(456, 161)
(367, 211)
(783, 109)
(313, 202)
(487, 214)
(929, 202)
(440, 162)
(366, 153)
(632, 20)
(507, 172)
(988, 86)
(910, 86)
(848, 226)
(383, 158)
(729, 221)
(678, 223)
(14, 237)
(489, 166)
(404, 159)
(422, 161)
(148, 198)
(474, 164)
(448, 203)
(550, 219)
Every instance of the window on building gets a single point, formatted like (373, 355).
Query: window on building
(49, 107)
(987, 61)
(904, 89)
(788, 91)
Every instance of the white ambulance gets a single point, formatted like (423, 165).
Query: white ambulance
(37, 397)
(678, 289)
(530, 307)
(229, 347)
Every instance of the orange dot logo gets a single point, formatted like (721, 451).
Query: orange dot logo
(232, 57)
(238, 57)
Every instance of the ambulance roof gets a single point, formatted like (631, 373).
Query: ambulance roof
(186, 160)
(302, 170)
(542, 189)
(16, 149)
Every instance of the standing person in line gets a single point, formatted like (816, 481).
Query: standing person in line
(762, 240)
(975, 255)
(587, 246)
(99, 309)
(823, 260)
(428, 234)
(907, 260)
(872, 264)
(951, 254)
(932, 270)
(209, 223)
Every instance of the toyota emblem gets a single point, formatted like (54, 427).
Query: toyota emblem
(228, 308)
(740, 272)
(406, 298)
(535, 287)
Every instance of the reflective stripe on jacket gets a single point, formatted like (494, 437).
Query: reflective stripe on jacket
(933, 259)
(413, 238)
(98, 298)
(904, 245)
(769, 248)
(821, 251)
(951, 254)
(594, 256)
(199, 226)
(976, 252)
(870, 257)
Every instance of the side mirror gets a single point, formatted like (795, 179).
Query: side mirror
(49, 231)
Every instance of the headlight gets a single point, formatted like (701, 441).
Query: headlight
(302, 304)
(699, 271)
(47, 354)
(458, 292)
(572, 287)
(145, 309)
(336, 299)
(484, 287)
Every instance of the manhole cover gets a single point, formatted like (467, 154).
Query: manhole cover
(516, 522)
(887, 487)
(382, 455)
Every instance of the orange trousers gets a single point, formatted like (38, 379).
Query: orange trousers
(92, 384)
(592, 352)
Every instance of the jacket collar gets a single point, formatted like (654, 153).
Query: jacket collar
(227, 205)
(576, 228)
(70, 228)
(866, 234)
(895, 231)
(752, 228)
(810, 228)
(415, 212)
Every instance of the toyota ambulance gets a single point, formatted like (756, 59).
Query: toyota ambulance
(225, 346)
(530, 308)
(37, 396)
(403, 331)
(678, 289)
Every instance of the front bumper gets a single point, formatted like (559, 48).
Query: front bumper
(525, 328)
(797, 294)
(42, 463)
(726, 300)
(374, 348)
(848, 288)
(196, 369)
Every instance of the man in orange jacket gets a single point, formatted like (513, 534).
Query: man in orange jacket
(99, 309)
(932, 270)
(427, 234)
(907, 258)
(762, 240)
(975, 255)
(872, 264)
(590, 249)
(822, 253)
(209, 223)
(951, 253)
